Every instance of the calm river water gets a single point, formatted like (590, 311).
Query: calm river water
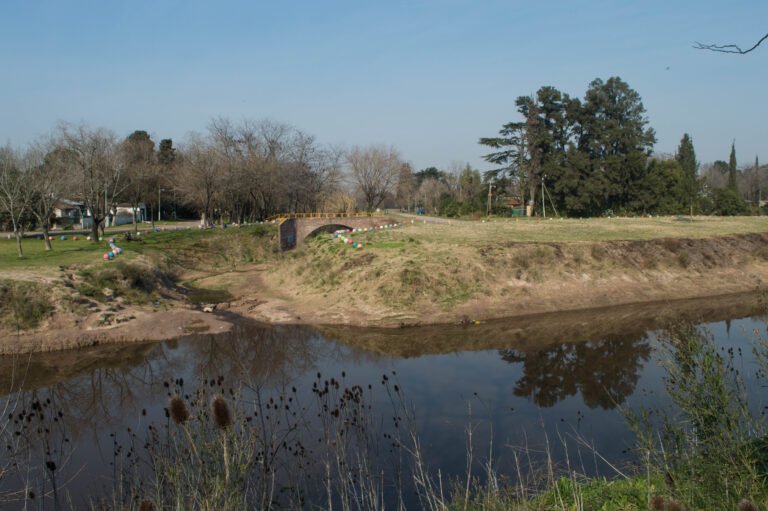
(518, 382)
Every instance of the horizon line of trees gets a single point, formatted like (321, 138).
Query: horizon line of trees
(576, 157)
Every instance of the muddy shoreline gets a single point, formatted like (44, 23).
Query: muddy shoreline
(395, 338)
(522, 334)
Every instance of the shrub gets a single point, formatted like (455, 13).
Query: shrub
(729, 202)
(134, 282)
(710, 445)
(23, 304)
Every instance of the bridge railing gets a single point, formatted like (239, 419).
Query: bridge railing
(325, 214)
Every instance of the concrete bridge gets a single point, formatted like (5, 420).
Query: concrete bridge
(296, 227)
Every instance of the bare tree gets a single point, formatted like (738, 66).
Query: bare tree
(326, 176)
(92, 160)
(49, 183)
(139, 159)
(15, 191)
(430, 191)
(375, 170)
(406, 187)
(729, 48)
(199, 176)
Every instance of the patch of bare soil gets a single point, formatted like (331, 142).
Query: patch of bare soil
(143, 326)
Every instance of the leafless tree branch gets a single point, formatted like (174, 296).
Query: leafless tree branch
(728, 48)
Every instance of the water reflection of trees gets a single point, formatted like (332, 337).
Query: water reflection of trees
(604, 372)
(101, 388)
(254, 353)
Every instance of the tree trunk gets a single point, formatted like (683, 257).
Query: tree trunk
(46, 237)
(17, 234)
(94, 230)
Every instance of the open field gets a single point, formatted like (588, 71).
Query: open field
(593, 229)
(440, 234)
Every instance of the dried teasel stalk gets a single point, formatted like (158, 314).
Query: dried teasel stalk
(177, 408)
(222, 416)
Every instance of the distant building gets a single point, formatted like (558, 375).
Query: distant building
(122, 214)
(70, 214)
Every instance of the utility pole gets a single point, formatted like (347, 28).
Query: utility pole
(490, 198)
(543, 206)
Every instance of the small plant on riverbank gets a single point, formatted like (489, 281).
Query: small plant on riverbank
(133, 282)
(23, 305)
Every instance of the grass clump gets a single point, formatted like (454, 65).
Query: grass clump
(198, 295)
(23, 305)
(132, 282)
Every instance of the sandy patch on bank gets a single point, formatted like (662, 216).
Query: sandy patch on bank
(145, 326)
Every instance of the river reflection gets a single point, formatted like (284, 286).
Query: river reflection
(603, 372)
(518, 379)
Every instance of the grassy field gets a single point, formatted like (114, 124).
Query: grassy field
(440, 234)
(172, 243)
(593, 229)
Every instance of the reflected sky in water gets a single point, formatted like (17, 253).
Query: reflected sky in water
(517, 381)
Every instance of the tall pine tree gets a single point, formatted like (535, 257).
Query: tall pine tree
(686, 157)
(732, 169)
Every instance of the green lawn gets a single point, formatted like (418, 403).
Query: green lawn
(70, 252)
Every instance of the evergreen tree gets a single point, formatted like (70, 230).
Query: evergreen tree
(757, 179)
(591, 155)
(732, 169)
(613, 133)
(686, 157)
(664, 190)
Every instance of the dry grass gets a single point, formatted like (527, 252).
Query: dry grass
(593, 229)
(423, 271)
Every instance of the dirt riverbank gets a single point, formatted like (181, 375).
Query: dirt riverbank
(403, 280)
(495, 280)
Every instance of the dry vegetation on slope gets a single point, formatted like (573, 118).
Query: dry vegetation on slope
(427, 273)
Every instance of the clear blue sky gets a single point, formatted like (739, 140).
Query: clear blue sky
(430, 77)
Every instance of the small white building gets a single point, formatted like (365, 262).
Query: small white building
(122, 214)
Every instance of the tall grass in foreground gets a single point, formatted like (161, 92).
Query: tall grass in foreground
(711, 445)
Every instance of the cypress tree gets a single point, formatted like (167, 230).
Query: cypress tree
(732, 168)
(686, 157)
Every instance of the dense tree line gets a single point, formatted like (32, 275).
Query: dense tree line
(593, 156)
(575, 157)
